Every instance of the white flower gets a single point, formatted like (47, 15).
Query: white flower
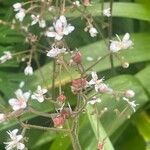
(103, 88)
(129, 93)
(28, 70)
(59, 29)
(76, 3)
(2, 117)
(125, 43)
(94, 100)
(94, 81)
(37, 19)
(20, 15)
(106, 12)
(20, 102)
(55, 51)
(15, 141)
(98, 84)
(132, 104)
(17, 6)
(7, 55)
(39, 94)
(93, 32)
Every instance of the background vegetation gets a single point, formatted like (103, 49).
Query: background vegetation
(131, 16)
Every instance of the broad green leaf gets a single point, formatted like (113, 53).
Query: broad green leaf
(92, 118)
(130, 140)
(142, 123)
(134, 10)
(143, 77)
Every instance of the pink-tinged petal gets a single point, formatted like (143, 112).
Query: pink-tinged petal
(40, 99)
(94, 76)
(19, 93)
(39, 88)
(14, 132)
(126, 37)
(19, 137)
(27, 95)
(91, 82)
(44, 91)
(115, 46)
(50, 34)
(20, 146)
(16, 107)
(12, 101)
(58, 37)
(63, 20)
(23, 105)
(33, 96)
(58, 26)
(42, 23)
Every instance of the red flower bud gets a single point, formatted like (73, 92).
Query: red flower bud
(61, 98)
(101, 146)
(86, 2)
(58, 121)
(77, 58)
(79, 84)
(65, 113)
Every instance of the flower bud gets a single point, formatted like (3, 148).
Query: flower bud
(58, 121)
(129, 94)
(2, 117)
(103, 88)
(28, 70)
(125, 65)
(61, 98)
(77, 58)
(65, 113)
(79, 84)
(86, 2)
(101, 146)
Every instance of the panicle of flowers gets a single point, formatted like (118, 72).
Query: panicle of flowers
(7, 55)
(117, 45)
(20, 102)
(39, 94)
(37, 19)
(20, 11)
(59, 29)
(15, 141)
(55, 51)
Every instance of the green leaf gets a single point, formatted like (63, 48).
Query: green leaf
(142, 123)
(143, 77)
(134, 10)
(92, 118)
